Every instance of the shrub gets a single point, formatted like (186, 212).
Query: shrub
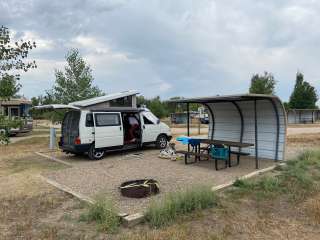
(102, 212)
(176, 204)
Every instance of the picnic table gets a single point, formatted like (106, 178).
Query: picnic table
(196, 151)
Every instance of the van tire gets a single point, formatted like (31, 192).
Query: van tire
(162, 141)
(95, 154)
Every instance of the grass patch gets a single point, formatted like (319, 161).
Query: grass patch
(176, 204)
(298, 179)
(104, 214)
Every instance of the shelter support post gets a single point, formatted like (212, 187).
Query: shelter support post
(188, 123)
(256, 134)
(242, 123)
(312, 116)
(278, 128)
(212, 119)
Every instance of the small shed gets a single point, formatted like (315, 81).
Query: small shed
(248, 118)
(16, 107)
(297, 116)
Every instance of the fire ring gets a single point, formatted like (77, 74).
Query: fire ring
(139, 188)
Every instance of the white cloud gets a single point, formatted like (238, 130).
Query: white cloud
(175, 48)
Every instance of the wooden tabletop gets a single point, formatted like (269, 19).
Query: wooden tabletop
(228, 143)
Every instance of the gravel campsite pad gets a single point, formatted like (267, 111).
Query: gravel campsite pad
(104, 177)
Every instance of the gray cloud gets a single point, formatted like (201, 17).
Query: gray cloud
(163, 48)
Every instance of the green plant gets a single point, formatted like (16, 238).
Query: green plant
(298, 178)
(6, 124)
(164, 212)
(304, 95)
(104, 214)
(265, 187)
(263, 84)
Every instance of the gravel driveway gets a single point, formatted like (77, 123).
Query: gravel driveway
(93, 178)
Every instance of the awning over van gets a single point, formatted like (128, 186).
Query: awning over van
(56, 106)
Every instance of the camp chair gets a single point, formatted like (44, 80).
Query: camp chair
(219, 152)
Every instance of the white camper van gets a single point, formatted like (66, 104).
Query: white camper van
(98, 131)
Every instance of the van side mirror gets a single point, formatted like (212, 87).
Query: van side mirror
(158, 121)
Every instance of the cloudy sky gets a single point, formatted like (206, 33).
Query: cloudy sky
(170, 48)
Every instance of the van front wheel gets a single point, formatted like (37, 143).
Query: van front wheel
(95, 154)
(161, 142)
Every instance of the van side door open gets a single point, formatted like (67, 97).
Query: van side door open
(108, 130)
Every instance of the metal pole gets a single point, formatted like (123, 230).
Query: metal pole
(52, 144)
(312, 117)
(256, 133)
(188, 124)
(275, 108)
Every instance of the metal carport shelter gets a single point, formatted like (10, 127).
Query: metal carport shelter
(296, 116)
(250, 118)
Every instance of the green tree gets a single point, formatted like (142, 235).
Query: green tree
(9, 87)
(75, 82)
(262, 84)
(304, 95)
(12, 61)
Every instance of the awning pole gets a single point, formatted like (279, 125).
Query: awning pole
(256, 133)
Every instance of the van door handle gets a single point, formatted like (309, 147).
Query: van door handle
(92, 132)
(120, 128)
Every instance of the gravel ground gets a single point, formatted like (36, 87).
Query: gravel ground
(105, 176)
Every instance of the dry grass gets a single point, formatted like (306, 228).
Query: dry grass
(30, 209)
(312, 208)
(23, 148)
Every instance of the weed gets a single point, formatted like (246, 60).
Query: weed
(102, 212)
(179, 203)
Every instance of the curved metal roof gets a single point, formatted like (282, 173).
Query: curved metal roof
(226, 98)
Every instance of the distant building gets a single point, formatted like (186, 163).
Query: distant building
(296, 116)
(15, 108)
(121, 99)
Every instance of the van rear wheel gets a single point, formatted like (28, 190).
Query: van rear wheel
(95, 154)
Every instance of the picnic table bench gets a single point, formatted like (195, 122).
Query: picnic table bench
(198, 155)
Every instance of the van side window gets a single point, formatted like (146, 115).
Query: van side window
(89, 120)
(147, 121)
(107, 119)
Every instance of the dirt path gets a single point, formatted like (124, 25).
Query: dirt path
(303, 130)
(20, 138)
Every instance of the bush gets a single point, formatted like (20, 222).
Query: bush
(179, 203)
(103, 212)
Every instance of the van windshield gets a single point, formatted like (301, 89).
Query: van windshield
(151, 117)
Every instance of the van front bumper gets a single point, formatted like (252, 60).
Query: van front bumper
(79, 148)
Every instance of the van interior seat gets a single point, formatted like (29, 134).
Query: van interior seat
(131, 129)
